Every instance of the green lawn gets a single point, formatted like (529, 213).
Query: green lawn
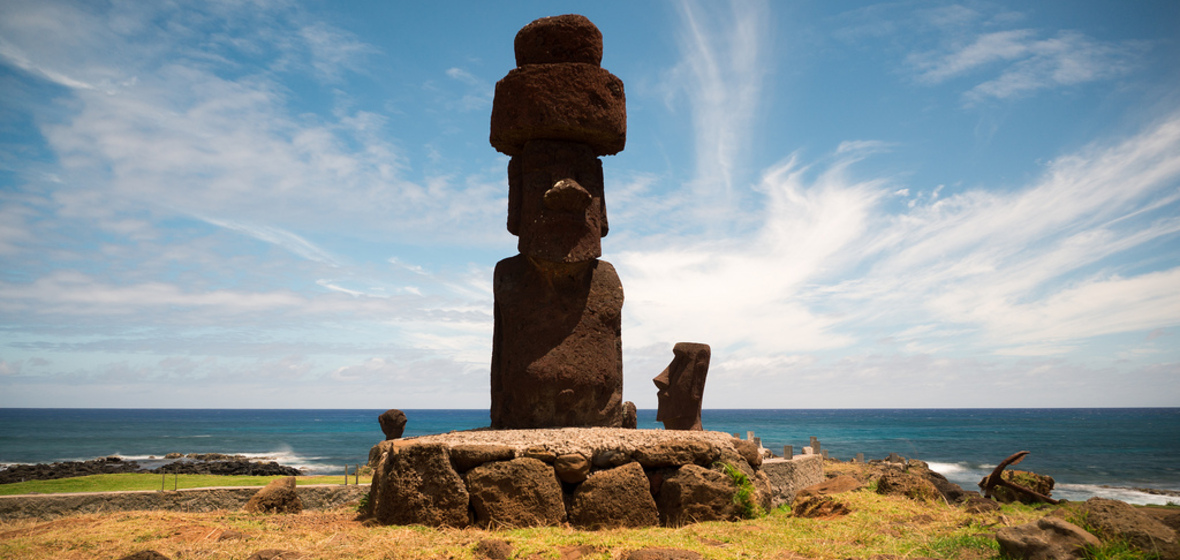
(148, 481)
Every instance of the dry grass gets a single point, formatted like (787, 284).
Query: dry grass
(878, 525)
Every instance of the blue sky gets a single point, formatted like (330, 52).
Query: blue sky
(281, 204)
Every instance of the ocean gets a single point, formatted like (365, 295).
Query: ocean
(1090, 452)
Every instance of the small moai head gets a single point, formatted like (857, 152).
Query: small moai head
(682, 386)
(393, 423)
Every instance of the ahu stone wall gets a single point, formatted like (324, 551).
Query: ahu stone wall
(595, 478)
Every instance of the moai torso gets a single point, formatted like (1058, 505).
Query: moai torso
(557, 349)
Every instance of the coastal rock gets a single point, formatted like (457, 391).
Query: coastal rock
(749, 450)
(572, 467)
(1115, 520)
(694, 494)
(978, 504)
(277, 497)
(522, 492)
(66, 469)
(909, 485)
(837, 485)
(393, 423)
(818, 507)
(614, 498)
(1048, 538)
(415, 484)
(468, 456)
(228, 468)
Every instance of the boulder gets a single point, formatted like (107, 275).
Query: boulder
(909, 485)
(749, 450)
(693, 494)
(837, 485)
(1048, 538)
(465, 457)
(557, 39)
(618, 497)
(978, 504)
(676, 453)
(818, 507)
(493, 549)
(787, 477)
(277, 497)
(522, 492)
(393, 423)
(1115, 520)
(572, 467)
(415, 484)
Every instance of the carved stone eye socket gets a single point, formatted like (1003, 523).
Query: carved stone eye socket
(567, 195)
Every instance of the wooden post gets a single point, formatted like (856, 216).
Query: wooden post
(346, 474)
(163, 479)
(357, 478)
(175, 481)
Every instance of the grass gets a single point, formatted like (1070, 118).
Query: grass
(147, 481)
(877, 525)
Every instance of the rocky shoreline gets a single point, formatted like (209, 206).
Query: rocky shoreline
(193, 463)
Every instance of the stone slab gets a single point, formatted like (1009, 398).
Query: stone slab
(788, 476)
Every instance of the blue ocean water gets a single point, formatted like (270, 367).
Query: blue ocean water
(1086, 450)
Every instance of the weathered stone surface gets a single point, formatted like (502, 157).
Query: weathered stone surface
(693, 494)
(145, 555)
(909, 485)
(1113, 519)
(572, 101)
(522, 492)
(788, 476)
(618, 497)
(493, 549)
(415, 484)
(568, 38)
(555, 201)
(749, 451)
(572, 467)
(277, 497)
(557, 346)
(979, 504)
(838, 485)
(1048, 538)
(276, 554)
(541, 454)
(674, 454)
(393, 423)
(662, 554)
(818, 507)
(630, 415)
(465, 457)
(682, 386)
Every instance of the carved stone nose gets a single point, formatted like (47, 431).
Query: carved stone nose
(567, 195)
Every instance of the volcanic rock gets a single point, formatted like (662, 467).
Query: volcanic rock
(568, 38)
(693, 494)
(415, 484)
(618, 497)
(277, 497)
(1048, 538)
(522, 492)
(393, 423)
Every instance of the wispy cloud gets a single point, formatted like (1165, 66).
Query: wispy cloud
(1019, 62)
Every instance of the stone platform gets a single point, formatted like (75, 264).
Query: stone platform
(591, 478)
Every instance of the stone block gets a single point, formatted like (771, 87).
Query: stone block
(693, 494)
(465, 457)
(787, 477)
(415, 484)
(1047, 538)
(522, 492)
(614, 498)
(577, 102)
(557, 39)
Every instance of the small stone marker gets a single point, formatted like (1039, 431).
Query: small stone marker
(815, 447)
(750, 435)
(824, 453)
(758, 441)
(860, 457)
(788, 451)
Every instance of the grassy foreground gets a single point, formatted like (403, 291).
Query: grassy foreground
(877, 525)
(148, 481)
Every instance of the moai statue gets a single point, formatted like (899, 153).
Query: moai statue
(682, 385)
(557, 355)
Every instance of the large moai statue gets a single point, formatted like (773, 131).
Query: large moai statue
(557, 348)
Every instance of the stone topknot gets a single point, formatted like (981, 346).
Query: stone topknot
(568, 38)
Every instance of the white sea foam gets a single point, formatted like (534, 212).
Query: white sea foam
(947, 469)
(1083, 492)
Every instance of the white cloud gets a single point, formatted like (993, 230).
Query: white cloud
(1023, 63)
